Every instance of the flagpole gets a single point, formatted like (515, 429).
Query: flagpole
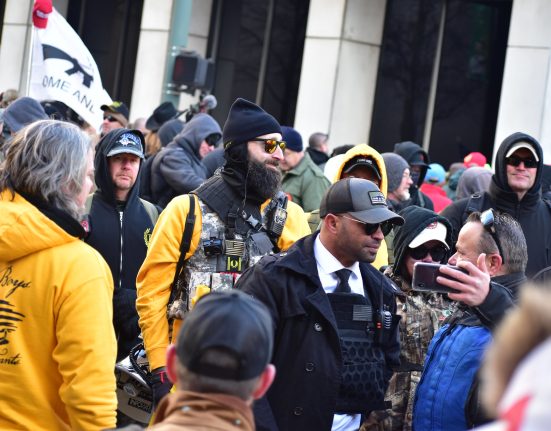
(30, 47)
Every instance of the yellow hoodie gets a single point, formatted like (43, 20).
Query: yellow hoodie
(366, 151)
(57, 343)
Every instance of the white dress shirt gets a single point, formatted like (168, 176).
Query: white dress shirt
(327, 265)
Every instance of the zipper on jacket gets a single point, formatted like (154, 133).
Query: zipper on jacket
(120, 264)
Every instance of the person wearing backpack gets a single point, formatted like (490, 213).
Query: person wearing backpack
(120, 225)
(515, 189)
(492, 249)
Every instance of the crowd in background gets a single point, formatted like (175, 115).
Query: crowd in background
(103, 227)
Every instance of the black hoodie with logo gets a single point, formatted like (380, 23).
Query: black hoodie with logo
(120, 231)
(532, 212)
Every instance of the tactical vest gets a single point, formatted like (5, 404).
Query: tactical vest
(218, 262)
(360, 330)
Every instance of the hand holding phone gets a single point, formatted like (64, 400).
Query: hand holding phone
(424, 277)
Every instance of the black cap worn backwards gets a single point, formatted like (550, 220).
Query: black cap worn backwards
(233, 321)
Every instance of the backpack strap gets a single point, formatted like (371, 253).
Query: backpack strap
(151, 210)
(179, 301)
(185, 243)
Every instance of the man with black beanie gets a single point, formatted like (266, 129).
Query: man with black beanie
(238, 216)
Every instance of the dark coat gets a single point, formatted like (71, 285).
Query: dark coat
(533, 214)
(177, 169)
(413, 154)
(307, 351)
(107, 234)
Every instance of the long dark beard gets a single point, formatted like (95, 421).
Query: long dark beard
(262, 181)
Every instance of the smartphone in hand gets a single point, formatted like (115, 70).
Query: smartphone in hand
(424, 277)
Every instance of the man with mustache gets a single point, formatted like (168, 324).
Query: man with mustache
(239, 216)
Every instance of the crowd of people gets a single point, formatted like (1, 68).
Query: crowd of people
(252, 282)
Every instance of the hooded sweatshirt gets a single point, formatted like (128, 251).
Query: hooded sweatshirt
(120, 232)
(413, 153)
(57, 345)
(177, 169)
(533, 214)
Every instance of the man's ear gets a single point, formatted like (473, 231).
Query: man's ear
(171, 363)
(330, 222)
(494, 264)
(265, 381)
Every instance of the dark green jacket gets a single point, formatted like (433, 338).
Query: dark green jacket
(306, 184)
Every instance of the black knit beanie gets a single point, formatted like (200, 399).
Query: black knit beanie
(247, 121)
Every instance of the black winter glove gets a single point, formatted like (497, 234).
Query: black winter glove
(160, 384)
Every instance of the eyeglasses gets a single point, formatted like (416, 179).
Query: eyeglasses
(437, 254)
(370, 229)
(110, 118)
(270, 145)
(516, 161)
(488, 220)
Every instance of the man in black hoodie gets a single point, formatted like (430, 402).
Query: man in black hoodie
(418, 161)
(120, 225)
(515, 189)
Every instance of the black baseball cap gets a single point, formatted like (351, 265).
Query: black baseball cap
(117, 108)
(362, 161)
(129, 142)
(360, 198)
(233, 321)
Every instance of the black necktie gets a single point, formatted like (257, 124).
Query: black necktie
(342, 286)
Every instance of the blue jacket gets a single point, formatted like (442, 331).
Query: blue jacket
(307, 351)
(446, 397)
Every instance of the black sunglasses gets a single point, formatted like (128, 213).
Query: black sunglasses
(437, 253)
(270, 145)
(370, 229)
(110, 118)
(516, 161)
(488, 220)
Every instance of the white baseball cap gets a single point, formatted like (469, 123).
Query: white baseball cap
(435, 231)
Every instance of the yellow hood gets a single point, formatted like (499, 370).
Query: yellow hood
(366, 151)
(25, 230)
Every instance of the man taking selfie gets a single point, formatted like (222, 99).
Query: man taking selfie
(492, 249)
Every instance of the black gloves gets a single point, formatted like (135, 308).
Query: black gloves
(160, 384)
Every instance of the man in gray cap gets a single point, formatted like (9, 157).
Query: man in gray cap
(399, 180)
(334, 316)
(220, 364)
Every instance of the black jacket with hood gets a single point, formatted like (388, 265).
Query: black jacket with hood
(177, 169)
(411, 151)
(121, 240)
(533, 214)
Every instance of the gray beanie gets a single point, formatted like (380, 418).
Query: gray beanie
(395, 167)
(23, 111)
